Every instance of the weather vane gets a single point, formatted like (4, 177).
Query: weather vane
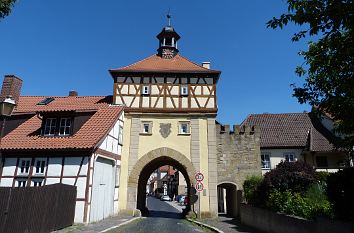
(169, 17)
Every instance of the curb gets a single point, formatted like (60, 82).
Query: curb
(121, 224)
(205, 225)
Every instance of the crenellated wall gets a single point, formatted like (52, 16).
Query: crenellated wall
(238, 153)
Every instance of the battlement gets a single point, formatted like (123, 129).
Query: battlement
(238, 129)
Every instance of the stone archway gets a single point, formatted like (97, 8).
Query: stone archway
(229, 199)
(146, 164)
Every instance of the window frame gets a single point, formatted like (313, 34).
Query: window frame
(184, 87)
(26, 167)
(142, 128)
(285, 154)
(180, 127)
(145, 91)
(51, 126)
(67, 119)
(120, 135)
(264, 162)
(41, 166)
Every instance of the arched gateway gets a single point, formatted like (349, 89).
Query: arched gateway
(139, 175)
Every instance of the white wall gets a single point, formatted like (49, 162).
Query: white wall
(277, 155)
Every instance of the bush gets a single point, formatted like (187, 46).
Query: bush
(249, 187)
(292, 176)
(340, 191)
(294, 204)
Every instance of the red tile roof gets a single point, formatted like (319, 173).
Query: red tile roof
(155, 63)
(88, 136)
(285, 130)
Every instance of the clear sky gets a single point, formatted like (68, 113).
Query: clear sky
(56, 46)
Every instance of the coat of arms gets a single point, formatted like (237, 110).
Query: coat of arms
(165, 129)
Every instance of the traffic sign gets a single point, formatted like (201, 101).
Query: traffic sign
(199, 186)
(199, 176)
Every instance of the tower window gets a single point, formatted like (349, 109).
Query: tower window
(184, 128)
(184, 90)
(168, 42)
(146, 90)
(146, 127)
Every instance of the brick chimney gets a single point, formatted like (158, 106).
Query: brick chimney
(73, 93)
(11, 86)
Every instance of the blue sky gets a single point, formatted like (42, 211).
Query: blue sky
(56, 46)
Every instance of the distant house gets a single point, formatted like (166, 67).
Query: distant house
(296, 136)
(75, 140)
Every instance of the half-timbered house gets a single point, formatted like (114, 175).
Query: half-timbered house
(75, 140)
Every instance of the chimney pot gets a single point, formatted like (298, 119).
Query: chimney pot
(73, 93)
(206, 64)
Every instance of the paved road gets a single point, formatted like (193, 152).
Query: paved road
(162, 218)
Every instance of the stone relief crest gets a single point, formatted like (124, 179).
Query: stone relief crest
(165, 129)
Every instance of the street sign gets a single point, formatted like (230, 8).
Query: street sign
(199, 186)
(199, 176)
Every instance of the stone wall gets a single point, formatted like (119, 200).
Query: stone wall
(238, 154)
(268, 221)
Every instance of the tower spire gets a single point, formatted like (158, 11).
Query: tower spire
(169, 18)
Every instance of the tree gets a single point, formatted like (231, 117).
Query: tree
(5, 7)
(328, 62)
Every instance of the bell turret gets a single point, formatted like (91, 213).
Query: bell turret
(168, 41)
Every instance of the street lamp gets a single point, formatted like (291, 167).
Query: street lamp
(7, 106)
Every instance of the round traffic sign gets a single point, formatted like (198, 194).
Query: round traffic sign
(199, 176)
(199, 186)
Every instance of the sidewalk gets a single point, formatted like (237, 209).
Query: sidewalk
(228, 224)
(97, 226)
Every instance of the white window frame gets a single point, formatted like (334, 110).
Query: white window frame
(184, 90)
(23, 170)
(42, 166)
(143, 127)
(289, 154)
(21, 182)
(50, 126)
(180, 128)
(146, 90)
(66, 126)
(37, 182)
(266, 165)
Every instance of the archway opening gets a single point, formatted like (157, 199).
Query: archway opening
(145, 194)
(227, 199)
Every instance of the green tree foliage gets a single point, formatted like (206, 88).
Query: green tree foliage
(328, 67)
(340, 191)
(249, 187)
(288, 176)
(5, 7)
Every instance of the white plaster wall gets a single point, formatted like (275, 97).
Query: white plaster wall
(9, 167)
(71, 166)
(277, 155)
(52, 181)
(6, 182)
(54, 166)
(79, 211)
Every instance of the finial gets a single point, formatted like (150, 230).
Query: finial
(169, 17)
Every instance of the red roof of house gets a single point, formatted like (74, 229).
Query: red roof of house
(155, 63)
(88, 136)
(286, 130)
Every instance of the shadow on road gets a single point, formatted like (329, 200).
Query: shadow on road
(164, 214)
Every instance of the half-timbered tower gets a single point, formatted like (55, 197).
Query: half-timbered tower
(170, 113)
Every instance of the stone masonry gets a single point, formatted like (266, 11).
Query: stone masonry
(238, 154)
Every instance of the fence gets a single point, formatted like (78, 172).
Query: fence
(37, 209)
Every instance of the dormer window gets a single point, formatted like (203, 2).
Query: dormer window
(65, 126)
(57, 126)
(50, 126)
(146, 90)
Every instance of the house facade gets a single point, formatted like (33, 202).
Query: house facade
(74, 140)
(297, 136)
